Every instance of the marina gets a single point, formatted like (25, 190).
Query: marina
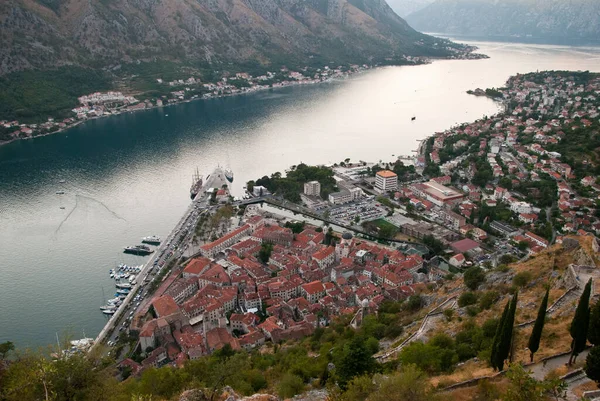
(131, 292)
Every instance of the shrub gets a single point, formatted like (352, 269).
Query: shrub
(467, 298)
(488, 299)
(289, 386)
(473, 277)
(472, 310)
(503, 268)
(522, 279)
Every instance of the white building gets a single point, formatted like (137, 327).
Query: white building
(386, 180)
(521, 207)
(345, 196)
(312, 188)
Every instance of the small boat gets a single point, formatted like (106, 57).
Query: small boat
(140, 250)
(152, 240)
(166, 115)
(60, 192)
(62, 207)
(413, 118)
(107, 307)
(62, 181)
(123, 285)
(109, 311)
(122, 291)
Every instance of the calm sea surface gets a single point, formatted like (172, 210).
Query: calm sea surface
(128, 176)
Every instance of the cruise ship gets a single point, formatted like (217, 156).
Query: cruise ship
(152, 240)
(196, 184)
(141, 250)
(229, 175)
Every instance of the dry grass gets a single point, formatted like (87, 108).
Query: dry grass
(589, 386)
(469, 370)
(555, 338)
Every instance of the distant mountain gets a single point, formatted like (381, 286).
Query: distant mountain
(407, 7)
(558, 21)
(41, 34)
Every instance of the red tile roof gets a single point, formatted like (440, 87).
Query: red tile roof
(314, 288)
(196, 266)
(165, 306)
(323, 253)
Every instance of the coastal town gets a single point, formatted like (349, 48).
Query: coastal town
(104, 104)
(110, 103)
(483, 194)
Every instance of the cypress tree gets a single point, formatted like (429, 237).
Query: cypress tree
(506, 334)
(580, 323)
(536, 333)
(594, 329)
(496, 342)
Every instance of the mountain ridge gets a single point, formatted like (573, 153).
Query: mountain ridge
(548, 20)
(41, 34)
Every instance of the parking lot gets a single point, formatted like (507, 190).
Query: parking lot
(366, 210)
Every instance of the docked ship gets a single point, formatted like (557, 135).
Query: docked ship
(152, 240)
(196, 184)
(140, 250)
(229, 174)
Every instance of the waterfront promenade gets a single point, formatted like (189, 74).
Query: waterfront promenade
(171, 248)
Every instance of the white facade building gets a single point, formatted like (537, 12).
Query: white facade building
(386, 180)
(312, 188)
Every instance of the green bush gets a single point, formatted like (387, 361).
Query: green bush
(488, 299)
(289, 386)
(473, 277)
(467, 298)
(521, 279)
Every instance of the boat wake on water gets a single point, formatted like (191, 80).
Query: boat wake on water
(114, 214)
(104, 205)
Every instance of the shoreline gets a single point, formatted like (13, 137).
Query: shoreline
(476, 56)
(260, 89)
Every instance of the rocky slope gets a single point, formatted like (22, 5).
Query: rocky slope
(38, 34)
(548, 20)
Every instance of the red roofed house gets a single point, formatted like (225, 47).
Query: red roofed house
(196, 267)
(147, 336)
(457, 260)
(215, 275)
(165, 306)
(528, 217)
(465, 245)
(225, 241)
(218, 337)
(536, 239)
(324, 257)
(313, 291)
(243, 322)
(135, 367)
(252, 340)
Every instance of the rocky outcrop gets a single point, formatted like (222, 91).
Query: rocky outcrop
(545, 20)
(100, 33)
(227, 394)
